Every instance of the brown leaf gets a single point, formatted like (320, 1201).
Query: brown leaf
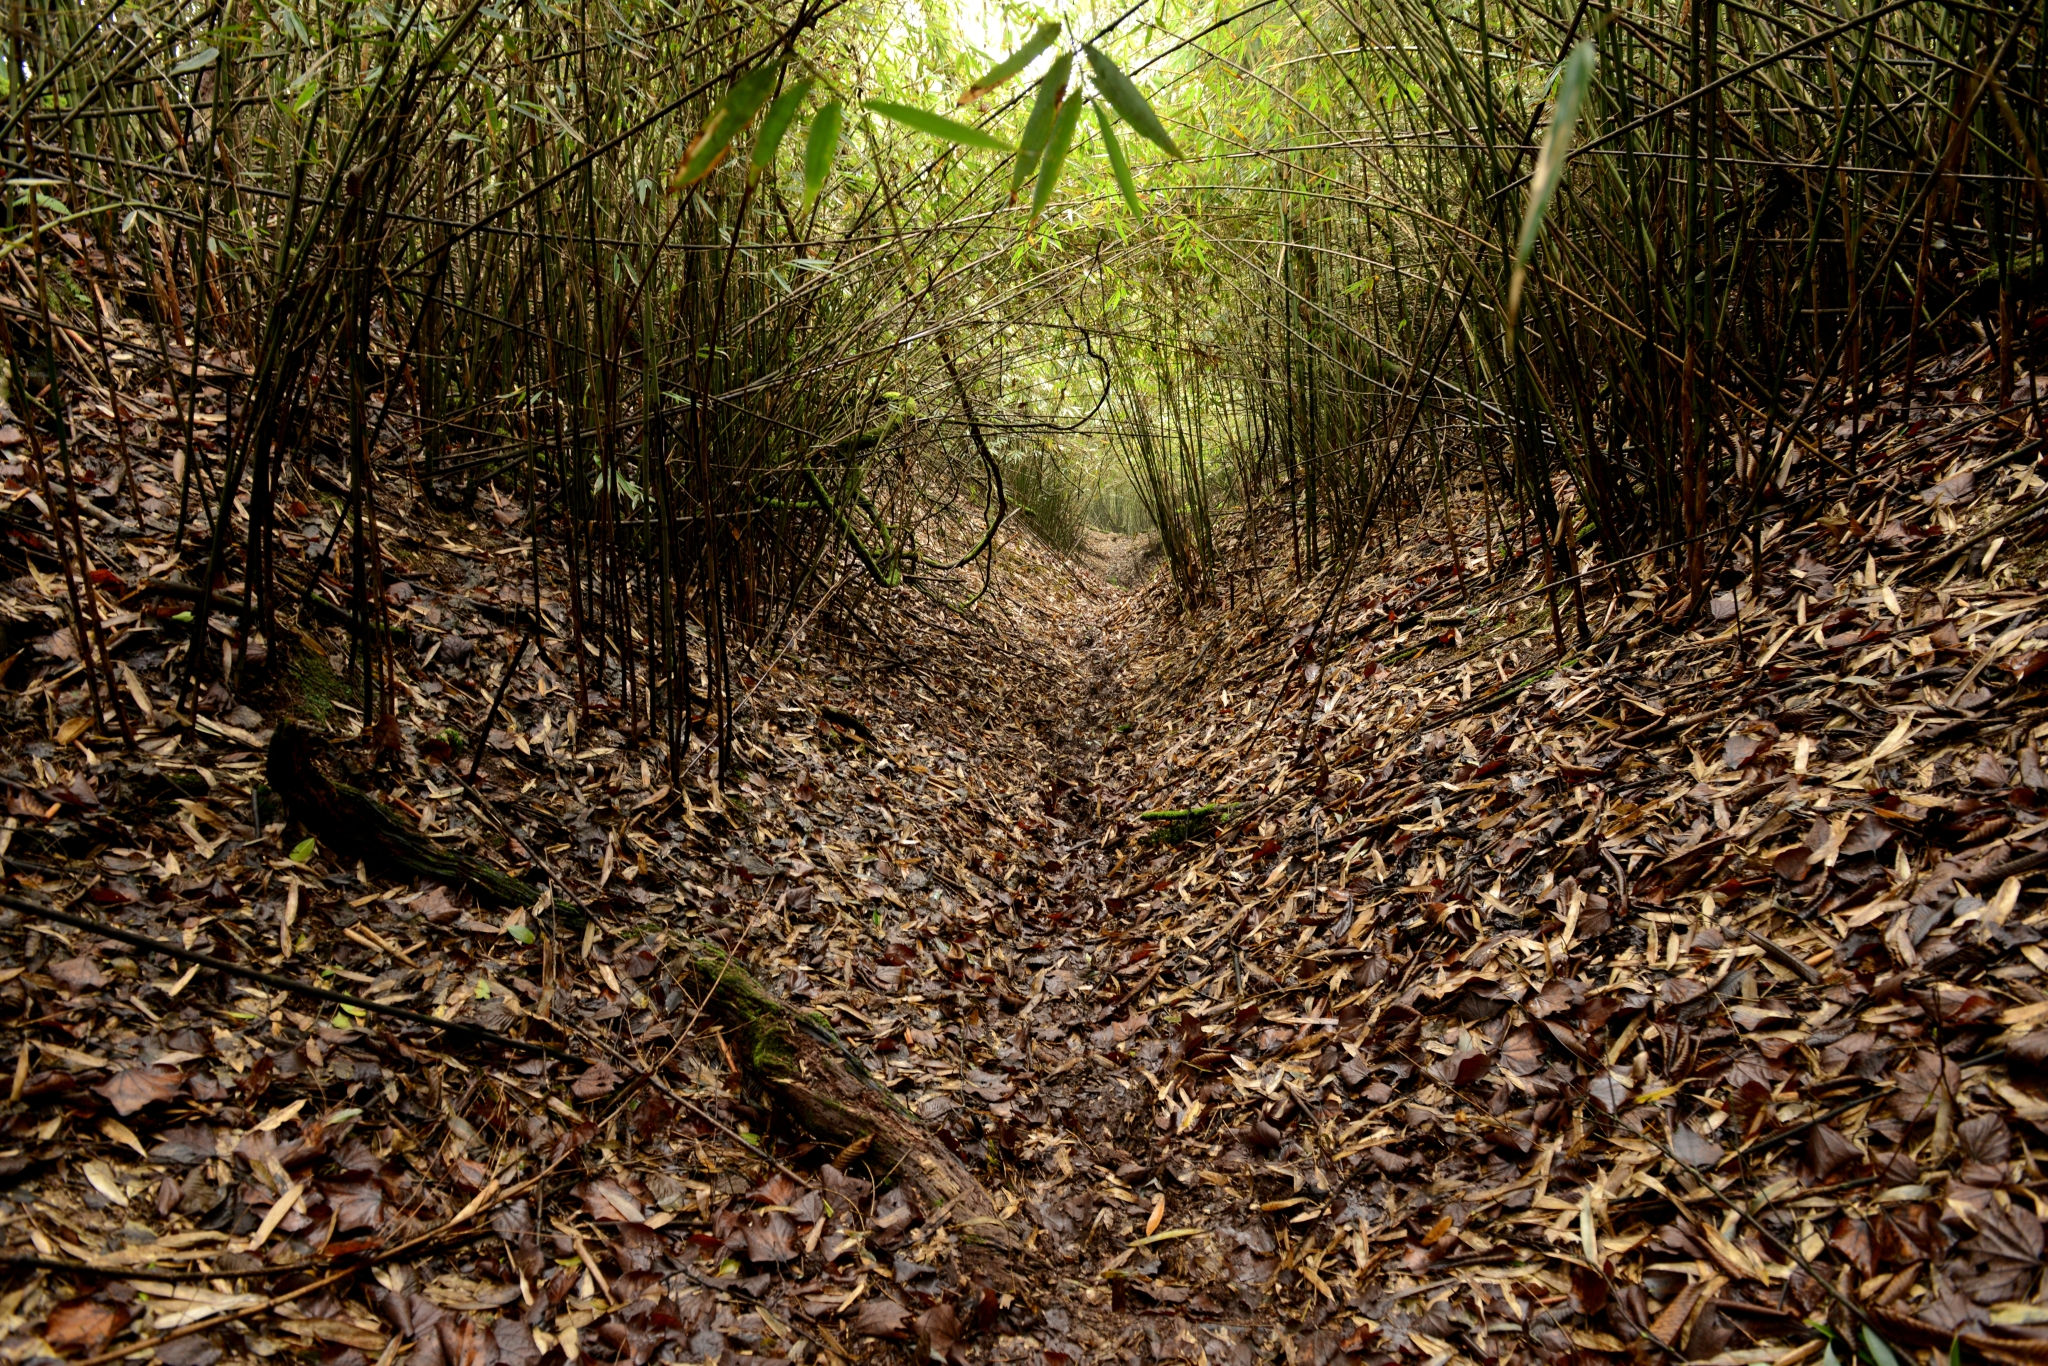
(776, 1190)
(1522, 1051)
(1990, 770)
(84, 1326)
(1829, 1151)
(1792, 865)
(1986, 1143)
(1954, 1006)
(2023, 1345)
(1950, 1314)
(463, 1341)
(28, 808)
(76, 791)
(938, 1328)
(436, 906)
(1795, 864)
(1870, 834)
(1558, 995)
(339, 1330)
(637, 1247)
(2031, 1049)
(2009, 1232)
(609, 1202)
(1851, 1238)
(985, 1305)
(1741, 749)
(354, 1204)
(78, 974)
(599, 1080)
(384, 738)
(1690, 1146)
(1709, 1334)
(186, 1146)
(1925, 1084)
(1610, 1090)
(1466, 1065)
(1572, 1040)
(130, 1090)
(1683, 998)
(1934, 1326)
(1589, 1290)
(881, 1318)
(1673, 1319)
(771, 1237)
(514, 1341)
(1953, 489)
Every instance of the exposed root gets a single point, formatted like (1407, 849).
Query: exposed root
(798, 1058)
(357, 826)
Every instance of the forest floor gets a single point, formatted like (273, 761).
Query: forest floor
(1334, 972)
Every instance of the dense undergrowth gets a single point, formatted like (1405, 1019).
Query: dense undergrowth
(743, 324)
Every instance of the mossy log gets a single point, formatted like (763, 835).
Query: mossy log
(355, 825)
(799, 1059)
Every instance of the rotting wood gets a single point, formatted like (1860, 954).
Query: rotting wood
(356, 826)
(800, 1059)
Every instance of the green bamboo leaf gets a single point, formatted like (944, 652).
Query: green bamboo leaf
(1572, 83)
(1038, 126)
(780, 115)
(1014, 63)
(734, 112)
(198, 61)
(938, 125)
(1880, 1350)
(1119, 165)
(819, 149)
(1055, 154)
(1125, 98)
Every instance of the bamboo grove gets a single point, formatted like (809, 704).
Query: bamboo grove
(750, 335)
(1759, 222)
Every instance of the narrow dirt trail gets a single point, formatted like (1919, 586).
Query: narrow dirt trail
(1122, 561)
(1138, 1248)
(1064, 1068)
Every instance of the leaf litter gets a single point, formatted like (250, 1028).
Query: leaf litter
(1332, 974)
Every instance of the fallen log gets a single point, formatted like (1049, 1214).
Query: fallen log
(356, 825)
(799, 1059)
